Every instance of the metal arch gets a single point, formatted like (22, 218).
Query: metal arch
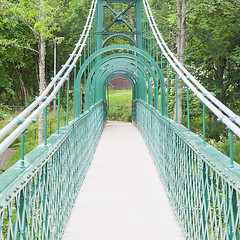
(136, 63)
(118, 35)
(123, 77)
(107, 63)
(133, 62)
(96, 67)
(143, 90)
(102, 86)
(116, 68)
(129, 79)
(142, 53)
(149, 84)
(118, 75)
(143, 63)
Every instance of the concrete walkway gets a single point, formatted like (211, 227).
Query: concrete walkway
(122, 197)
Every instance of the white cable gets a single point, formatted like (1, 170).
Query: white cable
(224, 108)
(218, 113)
(9, 140)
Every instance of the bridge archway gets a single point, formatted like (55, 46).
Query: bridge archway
(144, 71)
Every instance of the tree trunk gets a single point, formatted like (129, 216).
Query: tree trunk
(42, 81)
(42, 52)
(181, 13)
(23, 88)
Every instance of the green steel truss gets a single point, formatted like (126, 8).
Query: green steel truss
(203, 185)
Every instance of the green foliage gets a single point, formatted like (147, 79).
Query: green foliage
(213, 46)
(21, 27)
(224, 147)
(120, 105)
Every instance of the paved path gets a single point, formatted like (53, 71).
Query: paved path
(122, 197)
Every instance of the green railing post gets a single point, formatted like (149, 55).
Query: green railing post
(231, 147)
(204, 124)
(45, 127)
(161, 59)
(176, 96)
(67, 107)
(75, 93)
(58, 119)
(22, 147)
(167, 89)
(188, 109)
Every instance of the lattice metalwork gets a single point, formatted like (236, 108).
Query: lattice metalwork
(37, 205)
(204, 193)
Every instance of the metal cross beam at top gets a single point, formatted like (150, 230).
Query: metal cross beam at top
(135, 32)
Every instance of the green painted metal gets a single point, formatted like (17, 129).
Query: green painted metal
(204, 192)
(67, 110)
(22, 145)
(142, 65)
(142, 54)
(37, 193)
(58, 115)
(176, 96)
(188, 109)
(45, 126)
(204, 124)
(231, 147)
(119, 35)
(167, 89)
(36, 200)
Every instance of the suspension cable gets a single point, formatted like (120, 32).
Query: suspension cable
(67, 66)
(178, 67)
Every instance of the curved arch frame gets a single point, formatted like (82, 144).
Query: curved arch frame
(119, 35)
(140, 54)
(140, 65)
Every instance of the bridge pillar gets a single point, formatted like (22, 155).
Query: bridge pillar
(99, 24)
(138, 20)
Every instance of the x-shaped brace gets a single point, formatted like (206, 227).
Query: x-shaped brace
(117, 16)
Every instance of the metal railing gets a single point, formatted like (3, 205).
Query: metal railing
(36, 200)
(205, 195)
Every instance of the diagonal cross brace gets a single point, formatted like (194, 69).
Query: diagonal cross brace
(117, 16)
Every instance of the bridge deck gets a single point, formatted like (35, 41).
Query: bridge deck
(122, 196)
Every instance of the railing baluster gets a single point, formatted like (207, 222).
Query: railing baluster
(204, 124)
(188, 109)
(58, 117)
(45, 127)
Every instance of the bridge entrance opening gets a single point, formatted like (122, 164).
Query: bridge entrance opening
(119, 100)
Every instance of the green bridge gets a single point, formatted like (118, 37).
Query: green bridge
(38, 193)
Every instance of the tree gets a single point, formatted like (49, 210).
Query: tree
(181, 16)
(213, 47)
(37, 16)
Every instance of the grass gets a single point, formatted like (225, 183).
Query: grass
(31, 135)
(120, 105)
